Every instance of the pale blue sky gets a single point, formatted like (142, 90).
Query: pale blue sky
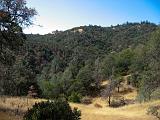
(66, 14)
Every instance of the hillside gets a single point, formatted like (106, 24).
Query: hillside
(64, 56)
(97, 39)
(86, 72)
(87, 61)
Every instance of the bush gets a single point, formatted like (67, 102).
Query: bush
(117, 101)
(86, 100)
(52, 110)
(155, 111)
(156, 94)
(75, 97)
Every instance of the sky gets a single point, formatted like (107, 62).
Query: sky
(66, 14)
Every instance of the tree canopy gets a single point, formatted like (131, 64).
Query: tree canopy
(14, 14)
(72, 63)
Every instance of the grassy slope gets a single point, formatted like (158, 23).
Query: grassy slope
(90, 112)
(6, 116)
(135, 111)
(130, 112)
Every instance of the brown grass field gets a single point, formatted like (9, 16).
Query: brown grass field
(136, 111)
(7, 116)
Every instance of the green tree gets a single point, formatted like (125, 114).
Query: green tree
(55, 110)
(14, 14)
(150, 76)
(107, 66)
(123, 62)
(85, 76)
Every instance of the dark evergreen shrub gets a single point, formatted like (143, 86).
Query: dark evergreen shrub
(75, 97)
(156, 94)
(52, 110)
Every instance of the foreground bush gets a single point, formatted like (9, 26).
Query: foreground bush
(155, 111)
(55, 110)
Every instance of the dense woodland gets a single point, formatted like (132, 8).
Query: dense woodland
(76, 61)
(73, 65)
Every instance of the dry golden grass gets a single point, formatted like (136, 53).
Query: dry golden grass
(20, 103)
(135, 111)
(130, 112)
(7, 116)
(132, 95)
(89, 112)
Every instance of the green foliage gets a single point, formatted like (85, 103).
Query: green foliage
(47, 89)
(117, 64)
(11, 34)
(123, 62)
(108, 66)
(75, 97)
(85, 76)
(147, 86)
(57, 109)
(135, 80)
(78, 62)
(14, 15)
(156, 94)
(149, 74)
(71, 61)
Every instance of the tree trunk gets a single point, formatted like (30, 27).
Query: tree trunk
(109, 100)
(118, 89)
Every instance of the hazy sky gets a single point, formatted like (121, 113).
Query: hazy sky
(66, 14)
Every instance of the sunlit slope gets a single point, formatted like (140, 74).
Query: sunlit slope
(136, 111)
(90, 112)
(130, 112)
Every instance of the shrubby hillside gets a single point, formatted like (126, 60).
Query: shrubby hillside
(74, 62)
